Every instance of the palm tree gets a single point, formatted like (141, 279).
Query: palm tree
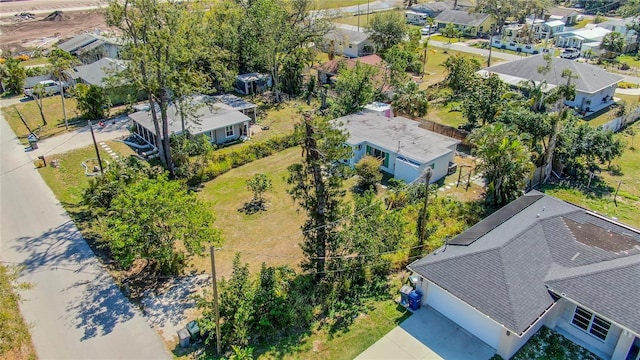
(410, 100)
(425, 45)
(61, 61)
(535, 94)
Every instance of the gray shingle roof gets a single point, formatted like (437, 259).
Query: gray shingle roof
(347, 36)
(97, 72)
(590, 79)
(400, 135)
(77, 42)
(208, 117)
(461, 17)
(505, 273)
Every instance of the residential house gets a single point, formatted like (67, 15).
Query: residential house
(470, 24)
(583, 39)
(218, 121)
(623, 26)
(348, 43)
(253, 83)
(101, 73)
(328, 71)
(568, 16)
(595, 87)
(405, 148)
(431, 9)
(248, 108)
(540, 262)
(89, 47)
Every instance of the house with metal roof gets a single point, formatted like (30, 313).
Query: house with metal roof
(595, 87)
(405, 148)
(624, 27)
(567, 15)
(348, 43)
(538, 262)
(218, 121)
(470, 24)
(89, 47)
(583, 39)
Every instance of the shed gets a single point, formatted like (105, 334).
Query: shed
(253, 83)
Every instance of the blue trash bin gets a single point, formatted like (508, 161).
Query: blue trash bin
(414, 300)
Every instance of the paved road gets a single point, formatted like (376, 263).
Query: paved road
(74, 308)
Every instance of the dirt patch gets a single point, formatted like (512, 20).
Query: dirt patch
(25, 35)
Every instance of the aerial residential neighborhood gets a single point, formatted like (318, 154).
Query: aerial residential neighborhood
(320, 179)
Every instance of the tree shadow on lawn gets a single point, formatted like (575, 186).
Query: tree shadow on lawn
(99, 305)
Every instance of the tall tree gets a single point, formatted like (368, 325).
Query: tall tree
(39, 92)
(354, 88)
(13, 75)
(61, 61)
(451, 31)
(160, 221)
(461, 71)
(484, 99)
(316, 184)
(411, 100)
(505, 161)
(631, 8)
(165, 42)
(613, 42)
(387, 29)
(92, 101)
(500, 10)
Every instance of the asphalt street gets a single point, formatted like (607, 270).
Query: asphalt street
(74, 308)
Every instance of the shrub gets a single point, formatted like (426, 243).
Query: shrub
(23, 57)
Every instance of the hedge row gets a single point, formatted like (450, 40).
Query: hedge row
(219, 164)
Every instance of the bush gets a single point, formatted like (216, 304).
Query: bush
(23, 57)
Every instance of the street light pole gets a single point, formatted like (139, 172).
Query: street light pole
(215, 301)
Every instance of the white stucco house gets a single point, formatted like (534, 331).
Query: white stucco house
(540, 262)
(624, 27)
(583, 39)
(348, 43)
(595, 87)
(405, 148)
(218, 121)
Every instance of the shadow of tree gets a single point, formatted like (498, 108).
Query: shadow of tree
(97, 305)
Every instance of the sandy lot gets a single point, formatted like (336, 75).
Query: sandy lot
(30, 34)
(8, 8)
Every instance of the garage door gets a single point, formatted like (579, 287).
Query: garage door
(476, 323)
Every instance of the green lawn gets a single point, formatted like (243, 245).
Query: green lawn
(628, 200)
(52, 111)
(582, 23)
(631, 60)
(449, 114)
(445, 39)
(35, 61)
(15, 339)
(271, 236)
(363, 20)
(332, 4)
(364, 332)
(68, 181)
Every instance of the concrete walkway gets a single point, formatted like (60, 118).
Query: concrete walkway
(427, 335)
(74, 309)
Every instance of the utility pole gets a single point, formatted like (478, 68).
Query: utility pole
(358, 15)
(490, 47)
(96, 146)
(423, 219)
(215, 299)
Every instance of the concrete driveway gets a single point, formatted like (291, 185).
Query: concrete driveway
(428, 335)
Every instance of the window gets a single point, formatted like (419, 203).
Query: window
(591, 323)
(379, 154)
(229, 131)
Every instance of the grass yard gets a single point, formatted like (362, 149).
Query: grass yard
(69, 181)
(15, 339)
(628, 200)
(363, 19)
(435, 71)
(445, 39)
(449, 114)
(332, 4)
(631, 60)
(271, 236)
(582, 23)
(35, 62)
(52, 106)
(365, 331)
(280, 119)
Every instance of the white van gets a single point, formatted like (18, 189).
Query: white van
(49, 87)
(415, 18)
(570, 53)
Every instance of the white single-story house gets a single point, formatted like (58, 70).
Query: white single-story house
(405, 148)
(623, 26)
(595, 87)
(583, 39)
(538, 262)
(253, 83)
(348, 43)
(90, 48)
(218, 121)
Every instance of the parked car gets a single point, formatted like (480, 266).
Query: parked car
(570, 53)
(428, 29)
(50, 87)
